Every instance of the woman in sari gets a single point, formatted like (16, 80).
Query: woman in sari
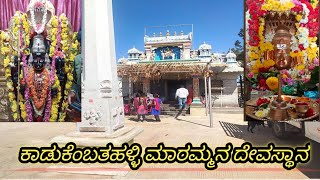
(156, 107)
(141, 107)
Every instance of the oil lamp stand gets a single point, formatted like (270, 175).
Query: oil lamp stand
(279, 108)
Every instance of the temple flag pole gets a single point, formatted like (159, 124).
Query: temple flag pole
(210, 104)
(206, 94)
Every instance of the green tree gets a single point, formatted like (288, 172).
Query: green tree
(238, 47)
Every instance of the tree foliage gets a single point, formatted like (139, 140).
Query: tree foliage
(238, 47)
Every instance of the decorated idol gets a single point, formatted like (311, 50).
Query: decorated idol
(40, 51)
(283, 59)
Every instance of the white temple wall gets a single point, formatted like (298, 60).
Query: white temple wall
(229, 96)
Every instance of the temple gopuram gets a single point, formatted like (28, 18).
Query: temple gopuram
(169, 61)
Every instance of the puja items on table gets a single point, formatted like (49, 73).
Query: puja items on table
(296, 107)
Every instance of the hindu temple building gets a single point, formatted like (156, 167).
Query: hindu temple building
(169, 61)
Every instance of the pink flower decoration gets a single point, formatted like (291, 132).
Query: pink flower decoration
(38, 4)
(250, 75)
(311, 66)
(305, 80)
(316, 61)
(59, 54)
(296, 2)
(38, 25)
(301, 72)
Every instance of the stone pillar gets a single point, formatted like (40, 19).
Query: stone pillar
(102, 104)
(146, 85)
(166, 89)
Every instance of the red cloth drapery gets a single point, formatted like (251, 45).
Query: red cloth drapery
(71, 8)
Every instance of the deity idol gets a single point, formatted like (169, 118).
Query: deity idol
(281, 43)
(41, 75)
(281, 54)
(38, 79)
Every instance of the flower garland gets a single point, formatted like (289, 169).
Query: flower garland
(5, 52)
(55, 45)
(63, 44)
(37, 6)
(38, 99)
(303, 45)
(55, 101)
(19, 22)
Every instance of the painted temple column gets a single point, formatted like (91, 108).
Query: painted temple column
(186, 50)
(4, 103)
(196, 108)
(196, 90)
(102, 102)
(148, 53)
(146, 86)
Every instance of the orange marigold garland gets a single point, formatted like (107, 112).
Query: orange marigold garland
(38, 99)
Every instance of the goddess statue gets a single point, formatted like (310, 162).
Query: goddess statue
(38, 78)
(281, 42)
(42, 63)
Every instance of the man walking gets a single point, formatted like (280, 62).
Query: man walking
(182, 94)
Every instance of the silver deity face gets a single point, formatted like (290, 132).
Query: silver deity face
(38, 46)
(38, 52)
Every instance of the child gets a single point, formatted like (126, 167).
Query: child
(156, 108)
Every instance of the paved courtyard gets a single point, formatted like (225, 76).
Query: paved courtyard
(228, 127)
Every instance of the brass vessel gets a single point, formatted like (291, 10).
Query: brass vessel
(301, 109)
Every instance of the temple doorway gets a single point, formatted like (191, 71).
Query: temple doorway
(173, 85)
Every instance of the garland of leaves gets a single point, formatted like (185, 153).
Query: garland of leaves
(154, 70)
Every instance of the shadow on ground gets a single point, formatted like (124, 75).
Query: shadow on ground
(261, 136)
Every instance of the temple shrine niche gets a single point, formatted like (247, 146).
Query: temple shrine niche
(169, 61)
(38, 52)
(282, 60)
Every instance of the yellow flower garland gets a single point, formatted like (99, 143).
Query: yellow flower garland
(274, 5)
(314, 3)
(55, 101)
(6, 54)
(70, 49)
(21, 19)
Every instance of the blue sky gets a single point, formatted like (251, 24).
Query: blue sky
(217, 22)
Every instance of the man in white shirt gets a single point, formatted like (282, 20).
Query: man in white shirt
(182, 94)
